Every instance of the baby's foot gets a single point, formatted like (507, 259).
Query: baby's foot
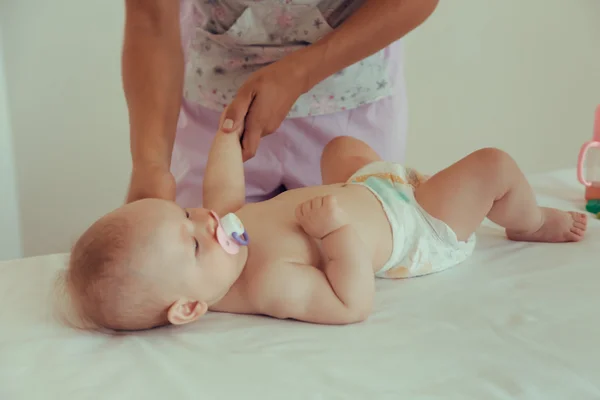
(558, 226)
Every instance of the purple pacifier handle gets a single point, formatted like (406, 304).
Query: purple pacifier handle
(242, 240)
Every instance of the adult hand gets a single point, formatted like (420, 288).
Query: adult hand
(264, 100)
(151, 181)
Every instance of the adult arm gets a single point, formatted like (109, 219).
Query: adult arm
(152, 72)
(266, 98)
(374, 26)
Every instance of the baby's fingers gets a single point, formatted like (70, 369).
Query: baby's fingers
(329, 202)
(307, 208)
(299, 214)
(317, 203)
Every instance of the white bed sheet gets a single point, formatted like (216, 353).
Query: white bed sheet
(517, 321)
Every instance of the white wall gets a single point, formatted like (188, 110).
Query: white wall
(520, 75)
(69, 116)
(10, 239)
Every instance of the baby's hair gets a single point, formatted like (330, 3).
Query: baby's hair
(66, 309)
(102, 289)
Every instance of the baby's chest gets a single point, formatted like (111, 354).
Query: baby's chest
(279, 246)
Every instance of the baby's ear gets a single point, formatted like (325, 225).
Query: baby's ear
(184, 311)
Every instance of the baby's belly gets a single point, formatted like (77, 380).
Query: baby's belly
(283, 237)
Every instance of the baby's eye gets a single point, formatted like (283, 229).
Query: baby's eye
(187, 214)
(196, 245)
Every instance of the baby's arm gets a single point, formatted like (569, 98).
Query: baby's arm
(340, 294)
(224, 187)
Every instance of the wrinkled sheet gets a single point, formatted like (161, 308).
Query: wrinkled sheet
(516, 321)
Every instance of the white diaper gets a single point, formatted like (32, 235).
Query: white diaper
(422, 244)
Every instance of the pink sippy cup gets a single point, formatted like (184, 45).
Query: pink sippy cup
(588, 165)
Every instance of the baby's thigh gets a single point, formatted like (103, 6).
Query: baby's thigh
(459, 195)
(343, 156)
(344, 141)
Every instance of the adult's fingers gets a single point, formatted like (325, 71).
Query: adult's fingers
(250, 142)
(233, 117)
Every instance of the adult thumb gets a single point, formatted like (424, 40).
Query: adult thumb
(235, 113)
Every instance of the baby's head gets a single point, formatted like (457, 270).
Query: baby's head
(148, 264)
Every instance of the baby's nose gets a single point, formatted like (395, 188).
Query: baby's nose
(199, 215)
(205, 221)
(213, 223)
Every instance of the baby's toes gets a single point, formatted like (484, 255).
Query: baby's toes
(579, 232)
(579, 218)
(580, 225)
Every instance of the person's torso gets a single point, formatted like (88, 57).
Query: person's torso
(227, 40)
(277, 237)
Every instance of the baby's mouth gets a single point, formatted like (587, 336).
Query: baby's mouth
(229, 242)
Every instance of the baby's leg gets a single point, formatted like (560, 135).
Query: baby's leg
(488, 183)
(342, 157)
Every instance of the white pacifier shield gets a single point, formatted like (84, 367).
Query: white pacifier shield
(231, 224)
(226, 241)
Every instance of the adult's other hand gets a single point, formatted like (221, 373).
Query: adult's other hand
(151, 181)
(264, 101)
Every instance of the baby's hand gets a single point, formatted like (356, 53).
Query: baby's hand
(320, 216)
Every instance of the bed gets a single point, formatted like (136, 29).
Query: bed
(516, 321)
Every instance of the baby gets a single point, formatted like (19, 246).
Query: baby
(309, 254)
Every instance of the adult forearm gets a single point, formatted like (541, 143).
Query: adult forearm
(374, 26)
(152, 68)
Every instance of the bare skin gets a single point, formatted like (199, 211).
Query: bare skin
(504, 195)
(488, 183)
(312, 256)
(313, 251)
(292, 273)
(153, 79)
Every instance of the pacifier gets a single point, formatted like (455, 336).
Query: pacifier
(231, 233)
